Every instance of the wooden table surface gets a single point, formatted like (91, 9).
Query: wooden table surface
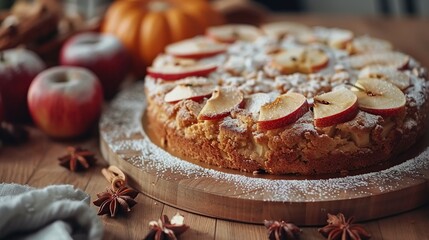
(35, 162)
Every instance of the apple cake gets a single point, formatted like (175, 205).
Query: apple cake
(285, 98)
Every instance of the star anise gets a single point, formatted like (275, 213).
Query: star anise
(282, 230)
(113, 202)
(77, 159)
(339, 228)
(163, 229)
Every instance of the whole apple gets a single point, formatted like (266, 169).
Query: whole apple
(65, 102)
(18, 67)
(103, 54)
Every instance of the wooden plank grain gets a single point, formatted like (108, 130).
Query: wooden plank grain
(18, 162)
(226, 230)
(50, 172)
(412, 225)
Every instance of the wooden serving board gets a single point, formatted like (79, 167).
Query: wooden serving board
(233, 195)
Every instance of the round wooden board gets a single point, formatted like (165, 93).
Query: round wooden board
(233, 195)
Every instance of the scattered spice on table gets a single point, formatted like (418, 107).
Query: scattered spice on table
(77, 159)
(164, 229)
(117, 201)
(281, 230)
(339, 228)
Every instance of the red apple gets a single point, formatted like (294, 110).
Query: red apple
(103, 54)
(379, 97)
(284, 110)
(18, 67)
(65, 102)
(199, 47)
(334, 107)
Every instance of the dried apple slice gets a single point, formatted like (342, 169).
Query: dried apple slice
(379, 97)
(284, 110)
(365, 44)
(287, 62)
(232, 32)
(396, 60)
(199, 47)
(254, 102)
(313, 60)
(280, 30)
(176, 72)
(392, 75)
(340, 38)
(304, 60)
(188, 91)
(221, 103)
(334, 107)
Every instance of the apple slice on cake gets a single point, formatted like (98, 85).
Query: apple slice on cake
(340, 38)
(334, 107)
(171, 73)
(233, 32)
(279, 30)
(364, 44)
(379, 97)
(199, 47)
(287, 61)
(313, 60)
(304, 60)
(188, 91)
(284, 110)
(396, 60)
(169, 68)
(221, 103)
(392, 75)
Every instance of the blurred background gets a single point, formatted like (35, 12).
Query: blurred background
(352, 7)
(349, 7)
(82, 15)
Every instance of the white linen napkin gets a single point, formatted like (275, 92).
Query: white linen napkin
(53, 212)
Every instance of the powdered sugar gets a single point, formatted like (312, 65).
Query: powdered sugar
(417, 93)
(233, 124)
(255, 101)
(122, 131)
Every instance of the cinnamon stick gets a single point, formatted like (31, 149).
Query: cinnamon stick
(29, 29)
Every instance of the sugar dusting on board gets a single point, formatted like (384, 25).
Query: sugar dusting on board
(124, 134)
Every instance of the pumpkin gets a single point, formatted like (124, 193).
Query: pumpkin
(146, 26)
